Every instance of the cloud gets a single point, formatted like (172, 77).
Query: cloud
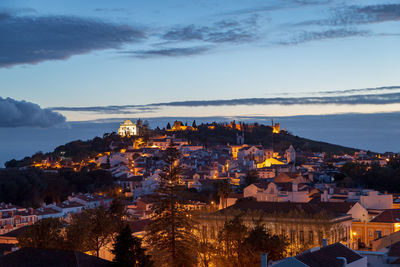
(277, 5)
(223, 31)
(321, 35)
(366, 14)
(357, 99)
(33, 39)
(393, 98)
(351, 91)
(353, 15)
(126, 109)
(169, 52)
(14, 113)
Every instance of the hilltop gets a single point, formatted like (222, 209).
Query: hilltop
(209, 134)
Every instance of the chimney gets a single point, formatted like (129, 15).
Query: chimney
(344, 261)
(264, 262)
(324, 242)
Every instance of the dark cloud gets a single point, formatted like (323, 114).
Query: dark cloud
(321, 35)
(224, 31)
(283, 4)
(32, 39)
(169, 52)
(350, 91)
(126, 109)
(353, 15)
(337, 100)
(14, 113)
(110, 10)
(383, 98)
(366, 14)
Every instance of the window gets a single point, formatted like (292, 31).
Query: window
(283, 233)
(212, 232)
(292, 236)
(370, 233)
(301, 236)
(311, 237)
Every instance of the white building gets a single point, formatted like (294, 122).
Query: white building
(128, 128)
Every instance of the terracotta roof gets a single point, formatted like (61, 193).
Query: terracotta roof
(336, 209)
(388, 216)
(327, 256)
(39, 257)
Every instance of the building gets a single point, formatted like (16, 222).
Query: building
(335, 255)
(50, 257)
(384, 224)
(128, 128)
(303, 224)
(278, 192)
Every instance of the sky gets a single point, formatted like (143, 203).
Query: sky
(75, 60)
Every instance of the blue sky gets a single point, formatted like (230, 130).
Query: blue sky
(99, 53)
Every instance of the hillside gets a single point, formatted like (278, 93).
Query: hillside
(207, 134)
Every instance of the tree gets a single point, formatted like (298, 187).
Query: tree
(46, 233)
(92, 230)
(241, 245)
(170, 234)
(194, 125)
(168, 126)
(260, 240)
(128, 250)
(224, 190)
(231, 238)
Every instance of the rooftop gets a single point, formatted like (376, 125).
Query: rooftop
(37, 257)
(327, 256)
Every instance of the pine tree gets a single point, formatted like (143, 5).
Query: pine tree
(194, 125)
(128, 250)
(170, 234)
(168, 126)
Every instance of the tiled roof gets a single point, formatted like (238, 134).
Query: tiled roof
(45, 211)
(30, 257)
(327, 256)
(388, 216)
(335, 209)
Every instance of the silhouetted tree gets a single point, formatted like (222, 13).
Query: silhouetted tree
(128, 250)
(170, 234)
(46, 233)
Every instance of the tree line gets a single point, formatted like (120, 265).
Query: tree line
(33, 187)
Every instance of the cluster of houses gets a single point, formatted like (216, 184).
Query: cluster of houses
(13, 217)
(298, 199)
